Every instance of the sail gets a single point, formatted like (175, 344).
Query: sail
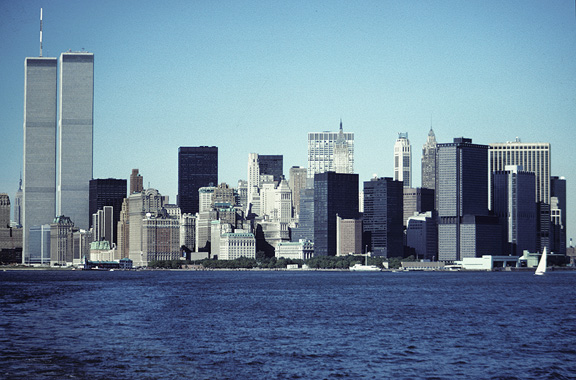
(541, 269)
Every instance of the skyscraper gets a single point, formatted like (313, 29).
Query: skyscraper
(321, 147)
(18, 206)
(558, 212)
(334, 194)
(39, 192)
(429, 162)
(417, 201)
(403, 160)
(107, 192)
(297, 182)
(383, 228)
(514, 203)
(4, 210)
(136, 182)
(533, 157)
(197, 167)
(75, 132)
(341, 153)
(464, 229)
(272, 164)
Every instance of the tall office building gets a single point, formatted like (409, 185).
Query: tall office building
(383, 229)
(107, 192)
(136, 182)
(334, 194)
(533, 157)
(514, 203)
(465, 229)
(403, 160)
(429, 162)
(341, 153)
(305, 229)
(197, 167)
(18, 206)
(422, 236)
(417, 201)
(558, 212)
(75, 131)
(272, 164)
(321, 147)
(4, 210)
(297, 182)
(39, 191)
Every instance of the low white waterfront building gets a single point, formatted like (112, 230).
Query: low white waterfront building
(300, 250)
(234, 245)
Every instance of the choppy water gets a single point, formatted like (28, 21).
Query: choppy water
(286, 325)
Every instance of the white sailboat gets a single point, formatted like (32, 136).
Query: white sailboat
(541, 269)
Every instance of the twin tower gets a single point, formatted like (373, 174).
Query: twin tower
(58, 135)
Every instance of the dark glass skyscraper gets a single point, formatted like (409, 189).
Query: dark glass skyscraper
(107, 192)
(197, 167)
(334, 194)
(305, 229)
(383, 212)
(514, 195)
(271, 165)
(558, 214)
(464, 228)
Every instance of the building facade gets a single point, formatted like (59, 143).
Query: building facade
(75, 136)
(422, 236)
(334, 194)
(299, 250)
(234, 245)
(417, 201)
(321, 151)
(383, 212)
(39, 187)
(533, 157)
(160, 239)
(107, 192)
(296, 182)
(272, 164)
(18, 199)
(342, 163)
(558, 212)
(514, 203)
(348, 236)
(136, 182)
(462, 188)
(429, 162)
(197, 167)
(403, 160)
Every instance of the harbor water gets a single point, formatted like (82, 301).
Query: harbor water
(286, 325)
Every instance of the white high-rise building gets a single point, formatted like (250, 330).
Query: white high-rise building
(341, 153)
(321, 149)
(403, 160)
(75, 131)
(283, 203)
(533, 157)
(205, 195)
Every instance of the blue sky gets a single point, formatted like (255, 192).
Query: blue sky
(256, 76)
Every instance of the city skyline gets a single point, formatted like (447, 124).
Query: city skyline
(244, 76)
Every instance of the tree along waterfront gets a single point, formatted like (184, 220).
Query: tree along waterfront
(262, 262)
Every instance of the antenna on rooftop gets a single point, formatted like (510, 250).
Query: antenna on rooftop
(40, 32)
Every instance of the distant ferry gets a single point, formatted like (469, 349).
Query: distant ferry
(365, 268)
